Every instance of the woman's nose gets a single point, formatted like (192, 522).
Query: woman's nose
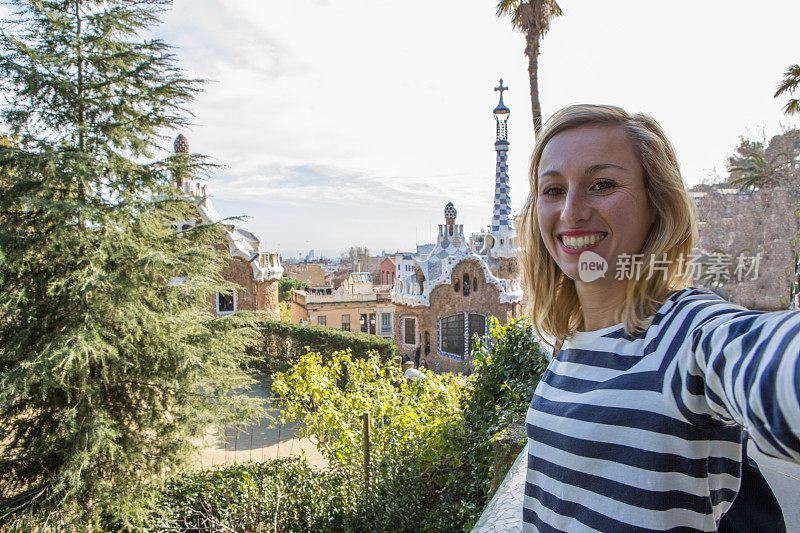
(575, 209)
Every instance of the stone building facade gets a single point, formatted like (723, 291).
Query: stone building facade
(464, 298)
(761, 224)
(256, 273)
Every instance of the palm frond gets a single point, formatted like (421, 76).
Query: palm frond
(792, 107)
(530, 15)
(506, 7)
(790, 81)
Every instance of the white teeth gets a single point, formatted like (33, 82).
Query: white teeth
(576, 243)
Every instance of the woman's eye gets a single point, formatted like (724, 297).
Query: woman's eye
(602, 185)
(552, 191)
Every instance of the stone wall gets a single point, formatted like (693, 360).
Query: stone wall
(250, 294)
(238, 272)
(298, 307)
(762, 222)
(444, 300)
(268, 298)
(504, 268)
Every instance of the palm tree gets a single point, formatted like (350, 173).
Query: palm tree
(531, 17)
(789, 84)
(756, 171)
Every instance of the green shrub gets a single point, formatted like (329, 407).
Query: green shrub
(282, 344)
(508, 365)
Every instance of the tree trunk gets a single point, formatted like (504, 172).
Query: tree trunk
(532, 52)
(79, 90)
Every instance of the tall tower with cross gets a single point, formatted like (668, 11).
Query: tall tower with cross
(502, 227)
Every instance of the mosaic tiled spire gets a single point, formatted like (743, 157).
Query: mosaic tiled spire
(181, 144)
(501, 215)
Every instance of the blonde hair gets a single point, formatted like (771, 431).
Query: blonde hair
(552, 298)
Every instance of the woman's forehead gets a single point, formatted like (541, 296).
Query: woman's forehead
(588, 145)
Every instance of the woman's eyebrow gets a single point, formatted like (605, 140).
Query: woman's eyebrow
(591, 169)
(550, 173)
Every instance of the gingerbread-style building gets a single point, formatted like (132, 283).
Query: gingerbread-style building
(452, 292)
(256, 272)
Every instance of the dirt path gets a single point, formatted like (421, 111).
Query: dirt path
(259, 442)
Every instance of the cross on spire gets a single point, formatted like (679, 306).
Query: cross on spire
(501, 88)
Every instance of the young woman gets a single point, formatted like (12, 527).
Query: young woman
(637, 423)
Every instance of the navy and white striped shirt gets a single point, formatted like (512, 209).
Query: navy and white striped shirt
(643, 434)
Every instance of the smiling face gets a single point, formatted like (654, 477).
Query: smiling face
(591, 196)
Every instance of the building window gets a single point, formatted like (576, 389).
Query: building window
(476, 326)
(456, 286)
(346, 322)
(322, 321)
(475, 284)
(452, 334)
(457, 332)
(367, 322)
(465, 284)
(410, 331)
(386, 323)
(226, 303)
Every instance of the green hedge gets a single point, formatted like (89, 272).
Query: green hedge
(283, 494)
(281, 344)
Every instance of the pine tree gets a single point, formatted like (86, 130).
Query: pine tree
(110, 361)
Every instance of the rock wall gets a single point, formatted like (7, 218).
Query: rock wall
(250, 294)
(762, 222)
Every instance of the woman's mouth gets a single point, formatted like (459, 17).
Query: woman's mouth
(582, 241)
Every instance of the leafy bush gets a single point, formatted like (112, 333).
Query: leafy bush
(508, 366)
(411, 455)
(282, 344)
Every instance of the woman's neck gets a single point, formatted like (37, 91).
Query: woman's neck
(600, 303)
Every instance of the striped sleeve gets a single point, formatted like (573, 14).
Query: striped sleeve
(745, 365)
(643, 432)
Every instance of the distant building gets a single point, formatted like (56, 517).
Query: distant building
(388, 272)
(354, 306)
(310, 273)
(255, 271)
(404, 264)
(447, 296)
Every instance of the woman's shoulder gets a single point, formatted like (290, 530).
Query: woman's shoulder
(694, 298)
(688, 308)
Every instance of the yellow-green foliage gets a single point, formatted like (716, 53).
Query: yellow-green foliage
(406, 416)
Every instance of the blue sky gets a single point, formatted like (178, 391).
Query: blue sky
(353, 122)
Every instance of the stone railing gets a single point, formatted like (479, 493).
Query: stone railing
(346, 297)
(504, 512)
